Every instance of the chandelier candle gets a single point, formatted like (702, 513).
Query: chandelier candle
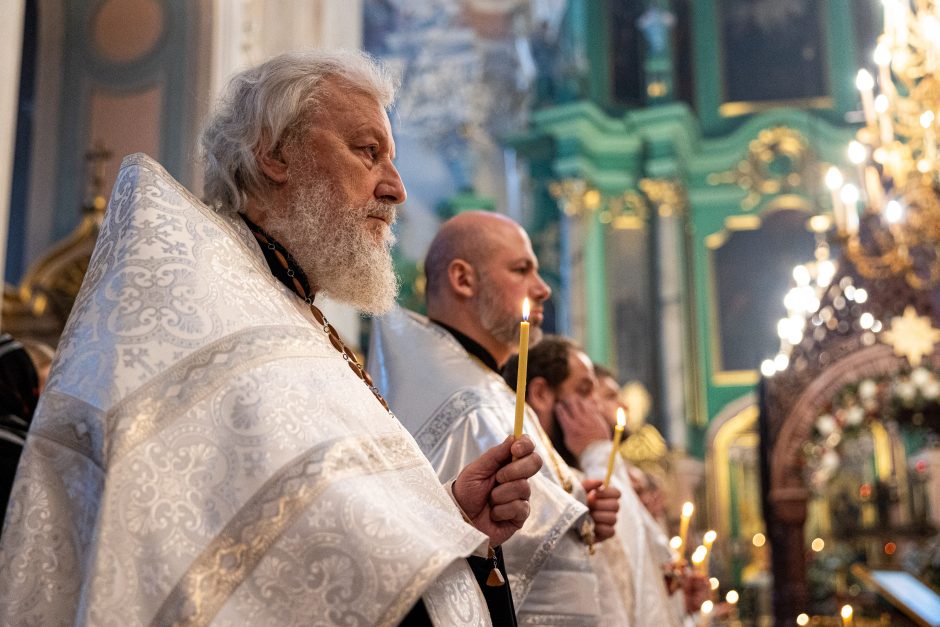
(615, 450)
(523, 365)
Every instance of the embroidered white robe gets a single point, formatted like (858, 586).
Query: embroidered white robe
(202, 454)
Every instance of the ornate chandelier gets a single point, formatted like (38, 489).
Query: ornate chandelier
(895, 154)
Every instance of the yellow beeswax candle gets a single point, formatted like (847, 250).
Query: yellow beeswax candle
(523, 365)
(615, 450)
(847, 615)
(687, 510)
(707, 541)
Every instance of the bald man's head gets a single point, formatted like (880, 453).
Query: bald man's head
(479, 269)
(473, 236)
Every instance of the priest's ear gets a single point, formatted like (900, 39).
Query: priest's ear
(463, 278)
(540, 397)
(273, 163)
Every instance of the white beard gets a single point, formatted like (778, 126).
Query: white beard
(336, 248)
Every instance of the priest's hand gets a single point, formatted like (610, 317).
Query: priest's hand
(493, 491)
(696, 589)
(603, 504)
(581, 423)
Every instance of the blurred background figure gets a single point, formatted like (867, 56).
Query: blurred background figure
(19, 393)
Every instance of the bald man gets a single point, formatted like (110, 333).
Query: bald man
(441, 374)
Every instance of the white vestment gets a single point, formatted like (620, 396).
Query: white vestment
(202, 454)
(457, 408)
(652, 604)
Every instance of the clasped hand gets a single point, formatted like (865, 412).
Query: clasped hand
(493, 490)
(581, 424)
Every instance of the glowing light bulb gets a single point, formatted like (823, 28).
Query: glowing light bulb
(767, 368)
(864, 80)
(926, 119)
(881, 103)
(834, 178)
(801, 275)
(882, 55)
(894, 212)
(857, 152)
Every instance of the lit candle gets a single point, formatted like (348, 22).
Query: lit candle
(707, 541)
(888, 18)
(618, 433)
(882, 58)
(849, 197)
(732, 598)
(687, 510)
(523, 365)
(865, 83)
(930, 32)
(882, 104)
(902, 22)
(706, 613)
(834, 183)
(846, 615)
(930, 140)
(874, 189)
(698, 559)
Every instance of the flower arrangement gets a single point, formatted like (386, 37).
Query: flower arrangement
(908, 397)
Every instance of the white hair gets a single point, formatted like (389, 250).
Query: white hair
(266, 104)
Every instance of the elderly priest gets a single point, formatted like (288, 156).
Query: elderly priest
(208, 449)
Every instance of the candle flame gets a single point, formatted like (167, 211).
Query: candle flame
(621, 417)
(857, 152)
(732, 597)
(864, 80)
(846, 611)
(710, 536)
(687, 509)
(882, 104)
(882, 55)
(675, 542)
(834, 178)
(707, 607)
(698, 556)
(525, 309)
(926, 119)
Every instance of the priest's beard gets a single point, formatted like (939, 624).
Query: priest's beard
(336, 247)
(501, 319)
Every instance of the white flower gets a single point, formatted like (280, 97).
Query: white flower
(932, 390)
(867, 390)
(825, 424)
(906, 391)
(854, 416)
(921, 376)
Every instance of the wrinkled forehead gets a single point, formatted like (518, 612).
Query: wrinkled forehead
(343, 104)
